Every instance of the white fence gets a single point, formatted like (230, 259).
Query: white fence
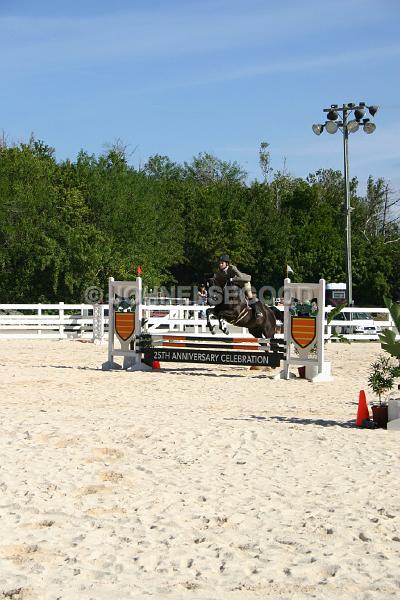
(62, 321)
(45, 321)
(350, 327)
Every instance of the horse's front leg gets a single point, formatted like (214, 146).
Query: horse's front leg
(222, 326)
(209, 312)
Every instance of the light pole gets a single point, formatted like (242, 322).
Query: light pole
(332, 124)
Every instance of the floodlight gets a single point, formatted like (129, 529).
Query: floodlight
(352, 126)
(317, 128)
(359, 113)
(332, 115)
(368, 126)
(373, 110)
(331, 127)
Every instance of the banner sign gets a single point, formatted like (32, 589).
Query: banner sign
(214, 357)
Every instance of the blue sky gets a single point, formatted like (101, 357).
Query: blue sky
(183, 77)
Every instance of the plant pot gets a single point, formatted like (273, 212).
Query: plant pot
(302, 372)
(380, 415)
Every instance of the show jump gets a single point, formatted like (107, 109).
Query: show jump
(302, 342)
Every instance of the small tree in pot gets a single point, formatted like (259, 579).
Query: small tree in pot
(381, 380)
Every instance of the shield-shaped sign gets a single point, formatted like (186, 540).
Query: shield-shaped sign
(303, 330)
(124, 323)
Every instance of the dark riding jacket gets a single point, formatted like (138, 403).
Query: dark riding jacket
(232, 272)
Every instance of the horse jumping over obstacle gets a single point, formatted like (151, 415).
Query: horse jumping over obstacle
(300, 331)
(126, 323)
(229, 304)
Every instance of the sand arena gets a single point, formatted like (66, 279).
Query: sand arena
(194, 482)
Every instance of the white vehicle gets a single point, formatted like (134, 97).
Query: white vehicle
(363, 324)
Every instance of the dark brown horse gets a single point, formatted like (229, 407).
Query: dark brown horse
(228, 303)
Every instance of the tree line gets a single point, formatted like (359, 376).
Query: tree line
(68, 225)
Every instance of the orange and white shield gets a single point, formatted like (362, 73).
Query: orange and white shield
(303, 330)
(124, 323)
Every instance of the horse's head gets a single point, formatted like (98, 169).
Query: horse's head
(219, 280)
(220, 291)
(214, 292)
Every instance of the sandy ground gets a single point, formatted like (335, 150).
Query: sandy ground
(191, 482)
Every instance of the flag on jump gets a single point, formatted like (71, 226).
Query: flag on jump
(288, 270)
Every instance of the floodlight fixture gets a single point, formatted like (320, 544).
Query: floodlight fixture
(353, 126)
(332, 115)
(359, 113)
(368, 126)
(317, 128)
(331, 126)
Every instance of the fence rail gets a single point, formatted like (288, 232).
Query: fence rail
(45, 321)
(63, 321)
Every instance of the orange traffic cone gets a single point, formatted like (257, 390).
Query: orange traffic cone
(362, 412)
(156, 364)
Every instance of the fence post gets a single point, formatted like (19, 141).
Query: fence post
(39, 312)
(61, 317)
(84, 316)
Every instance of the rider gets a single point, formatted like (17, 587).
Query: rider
(242, 280)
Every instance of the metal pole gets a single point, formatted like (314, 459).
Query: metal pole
(349, 278)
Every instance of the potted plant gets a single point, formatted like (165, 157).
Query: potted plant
(381, 380)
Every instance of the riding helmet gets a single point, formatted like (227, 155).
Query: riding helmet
(225, 258)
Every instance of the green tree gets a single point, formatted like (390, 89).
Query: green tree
(206, 168)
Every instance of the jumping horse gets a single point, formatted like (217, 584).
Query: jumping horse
(228, 303)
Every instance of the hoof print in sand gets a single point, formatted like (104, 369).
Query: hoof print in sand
(111, 476)
(87, 490)
(19, 553)
(105, 455)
